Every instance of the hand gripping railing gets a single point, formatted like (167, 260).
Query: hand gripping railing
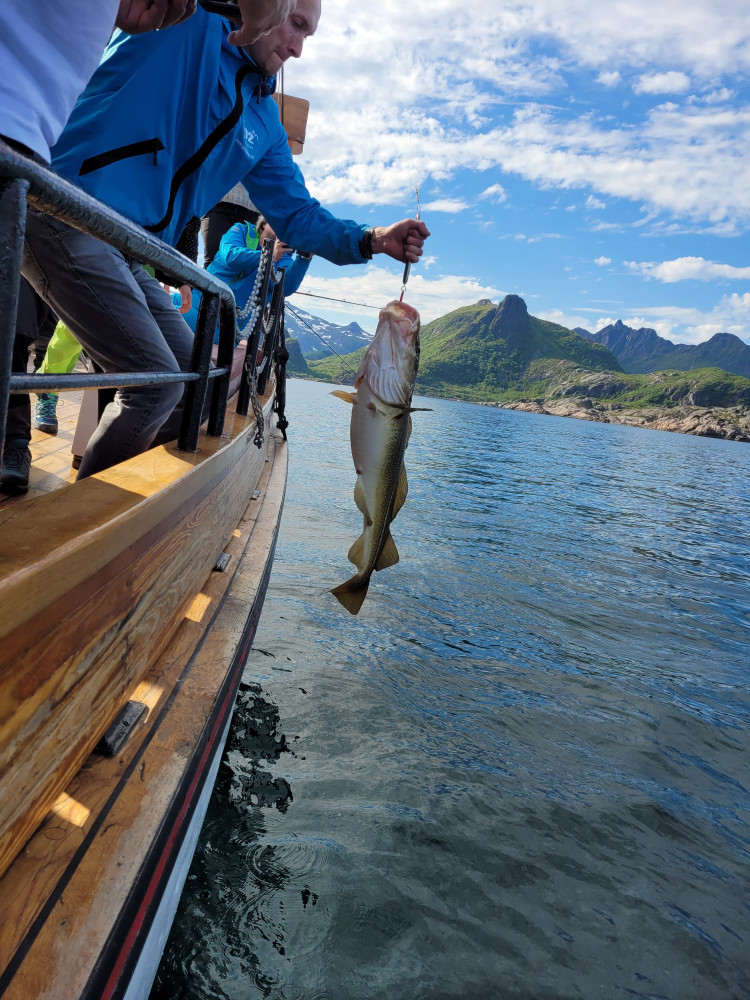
(21, 179)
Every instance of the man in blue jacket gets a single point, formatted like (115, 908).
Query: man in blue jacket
(168, 123)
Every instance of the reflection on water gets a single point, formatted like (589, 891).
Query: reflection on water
(522, 770)
(233, 873)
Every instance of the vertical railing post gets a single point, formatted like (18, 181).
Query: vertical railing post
(224, 358)
(12, 229)
(200, 362)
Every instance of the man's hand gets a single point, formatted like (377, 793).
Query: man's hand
(259, 17)
(139, 16)
(403, 240)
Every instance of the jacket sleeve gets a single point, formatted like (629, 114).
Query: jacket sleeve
(233, 253)
(294, 273)
(277, 187)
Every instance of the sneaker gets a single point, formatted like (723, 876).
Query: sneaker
(45, 412)
(14, 479)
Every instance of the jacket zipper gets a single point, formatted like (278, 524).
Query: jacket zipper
(111, 156)
(202, 153)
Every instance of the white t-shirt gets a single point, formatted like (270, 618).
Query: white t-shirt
(48, 51)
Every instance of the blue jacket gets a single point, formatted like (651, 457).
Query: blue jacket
(237, 264)
(171, 120)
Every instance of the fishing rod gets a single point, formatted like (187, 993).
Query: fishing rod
(419, 213)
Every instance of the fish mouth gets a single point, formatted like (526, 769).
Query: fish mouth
(397, 306)
(401, 311)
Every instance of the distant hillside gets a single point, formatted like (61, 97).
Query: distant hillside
(645, 351)
(479, 351)
(499, 355)
(706, 387)
(319, 338)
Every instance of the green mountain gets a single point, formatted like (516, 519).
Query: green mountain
(645, 351)
(481, 351)
(500, 354)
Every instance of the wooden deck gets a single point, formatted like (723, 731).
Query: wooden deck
(52, 455)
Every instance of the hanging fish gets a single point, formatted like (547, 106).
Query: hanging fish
(379, 432)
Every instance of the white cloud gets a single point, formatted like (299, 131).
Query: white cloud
(496, 192)
(731, 315)
(609, 79)
(722, 96)
(602, 261)
(376, 286)
(689, 269)
(569, 320)
(594, 204)
(446, 205)
(663, 83)
(442, 103)
(669, 164)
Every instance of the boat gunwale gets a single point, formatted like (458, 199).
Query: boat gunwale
(164, 848)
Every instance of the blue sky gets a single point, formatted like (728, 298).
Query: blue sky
(592, 158)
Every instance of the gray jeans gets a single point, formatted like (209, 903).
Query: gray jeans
(125, 321)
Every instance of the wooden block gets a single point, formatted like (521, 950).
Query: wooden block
(293, 112)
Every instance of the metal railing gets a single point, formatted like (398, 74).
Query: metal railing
(22, 180)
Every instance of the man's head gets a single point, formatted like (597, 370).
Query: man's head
(271, 51)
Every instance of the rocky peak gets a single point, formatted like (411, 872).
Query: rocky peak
(512, 309)
(511, 320)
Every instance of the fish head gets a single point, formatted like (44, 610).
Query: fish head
(391, 360)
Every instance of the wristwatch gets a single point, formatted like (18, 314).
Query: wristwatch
(365, 244)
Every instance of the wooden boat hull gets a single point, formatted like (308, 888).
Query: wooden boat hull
(88, 902)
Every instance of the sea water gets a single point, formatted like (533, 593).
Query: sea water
(522, 771)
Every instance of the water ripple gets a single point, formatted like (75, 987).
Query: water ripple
(522, 771)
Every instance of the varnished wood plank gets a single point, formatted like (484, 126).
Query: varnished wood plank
(40, 865)
(67, 668)
(77, 928)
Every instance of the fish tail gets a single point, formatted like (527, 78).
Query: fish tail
(352, 593)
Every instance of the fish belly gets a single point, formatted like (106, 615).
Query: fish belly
(379, 434)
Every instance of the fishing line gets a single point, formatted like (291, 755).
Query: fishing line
(415, 175)
(330, 298)
(321, 339)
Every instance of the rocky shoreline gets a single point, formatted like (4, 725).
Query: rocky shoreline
(731, 423)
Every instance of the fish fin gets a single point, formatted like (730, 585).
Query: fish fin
(352, 594)
(388, 555)
(348, 397)
(361, 501)
(357, 552)
(401, 491)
